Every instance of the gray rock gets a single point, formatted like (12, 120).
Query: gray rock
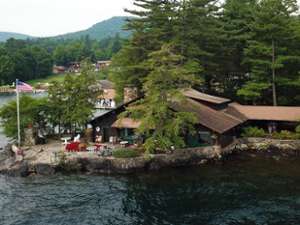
(19, 170)
(44, 169)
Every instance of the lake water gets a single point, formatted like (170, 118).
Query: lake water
(238, 192)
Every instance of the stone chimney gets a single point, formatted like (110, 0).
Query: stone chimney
(130, 93)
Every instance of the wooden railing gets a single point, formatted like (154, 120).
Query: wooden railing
(6, 90)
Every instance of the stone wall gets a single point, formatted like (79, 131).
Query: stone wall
(259, 144)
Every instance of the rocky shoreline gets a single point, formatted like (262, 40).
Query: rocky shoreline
(92, 163)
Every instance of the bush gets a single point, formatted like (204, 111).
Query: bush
(298, 129)
(284, 134)
(253, 132)
(125, 153)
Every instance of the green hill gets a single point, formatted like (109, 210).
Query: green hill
(7, 35)
(101, 30)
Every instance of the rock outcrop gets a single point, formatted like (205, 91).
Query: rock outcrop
(93, 163)
(106, 165)
(266, 145)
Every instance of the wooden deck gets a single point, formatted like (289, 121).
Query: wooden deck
(7, 90)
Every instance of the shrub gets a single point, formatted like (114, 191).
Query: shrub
(125, 153)
(253, 132)
(284, 134)
(298, 129)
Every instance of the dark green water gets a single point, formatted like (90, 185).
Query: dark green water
(250, 192)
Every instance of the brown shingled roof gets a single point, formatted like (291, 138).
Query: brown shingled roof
(106, 84)
(192, 93)
(269, 113)
(126, 123)
(217, 121)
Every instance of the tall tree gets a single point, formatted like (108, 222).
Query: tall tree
(198, 34)
(152, 26)
(235, 18)
(162, 126)
(72, 106)
(32, 112)
(269, 52)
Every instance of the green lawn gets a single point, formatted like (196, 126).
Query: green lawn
(60, 77)
(57, 77)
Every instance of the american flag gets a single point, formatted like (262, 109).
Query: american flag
(23, 87)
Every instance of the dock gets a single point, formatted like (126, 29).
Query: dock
(7, 90)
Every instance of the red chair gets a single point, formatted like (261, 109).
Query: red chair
(73, 147)
(98, 147)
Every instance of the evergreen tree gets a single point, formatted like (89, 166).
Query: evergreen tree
(162, 126)
(269, 52)
(152, 26)
(235, 19)
(198, 35)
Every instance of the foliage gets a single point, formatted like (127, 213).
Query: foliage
(284, 134)
(253, 91)
(78, 50)
(32, 112)
(162, 126)
(125, 153)
(49, 79)
(4, 36)
(253, 132)
(71, 102)
(269, 52)
(33, 59)
(23, 61)
(245, 50)
(102, 30)
(298, 129)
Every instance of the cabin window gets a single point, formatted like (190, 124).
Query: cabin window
(205, 137)
(199, 139)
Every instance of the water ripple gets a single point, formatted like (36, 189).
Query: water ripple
(236, 193)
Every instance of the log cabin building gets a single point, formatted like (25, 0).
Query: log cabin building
(219, 120)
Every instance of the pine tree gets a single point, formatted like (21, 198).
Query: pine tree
(162, 126)
(235, 19)
(197, 35)
(267, 52)
(152, 26)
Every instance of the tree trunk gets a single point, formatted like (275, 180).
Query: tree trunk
(274, 75)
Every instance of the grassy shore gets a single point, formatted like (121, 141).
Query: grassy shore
(49, 79)
(60, 78)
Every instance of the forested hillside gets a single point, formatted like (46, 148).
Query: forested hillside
(33, 59)
(102, 30)
(245, 50)
(4, 36)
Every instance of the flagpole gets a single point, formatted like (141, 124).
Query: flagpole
(18, 113)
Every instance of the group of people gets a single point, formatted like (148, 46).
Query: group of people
(106, 103)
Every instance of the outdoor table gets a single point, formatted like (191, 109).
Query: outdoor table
(124, 143)
(91, 148)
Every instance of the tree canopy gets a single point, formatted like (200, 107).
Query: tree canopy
(34, 59)
(245, 50)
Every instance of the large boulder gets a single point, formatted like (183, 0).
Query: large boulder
(6, 153)
(96, 165)
(18, 170)
(44, 169)
(128, 165)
